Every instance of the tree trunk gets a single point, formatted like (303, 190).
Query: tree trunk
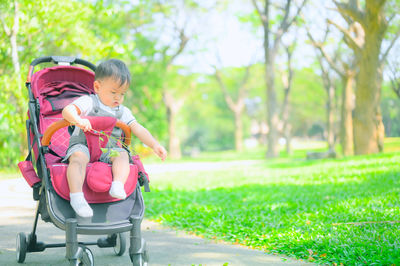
(287, 130)
(288, 138)
(287, 80)
(236, 107)
(238, 131)
(272, 108)
(346, 121)
(269, 55)
(14, 52)
(330, 117)
(12, 33)
(368, 126)
(173, 142)
(381, 127)
(173, 106)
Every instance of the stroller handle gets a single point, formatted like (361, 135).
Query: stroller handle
(70, 60)
(64, 123)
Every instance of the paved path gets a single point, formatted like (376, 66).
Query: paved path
(166, 246)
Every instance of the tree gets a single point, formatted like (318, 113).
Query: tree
(287, 81)
(12, 31)
(172, 25)
(21, 27)
(272, 43)
(172, 101)
(207, 120)
(175, 93)
(345, 68)
(237, 107)
(394, 74)
(308, 99)
(371, 23)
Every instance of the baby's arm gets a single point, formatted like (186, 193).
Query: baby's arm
(70, 113)
(144, 135)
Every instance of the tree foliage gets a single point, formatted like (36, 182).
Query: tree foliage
(155, 38)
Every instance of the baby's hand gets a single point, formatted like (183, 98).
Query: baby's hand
(84, 124)
(160, 151)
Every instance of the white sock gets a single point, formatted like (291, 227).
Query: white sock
(80, 205)
(117, 190)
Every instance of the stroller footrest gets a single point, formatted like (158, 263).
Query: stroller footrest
(37, 247)
(106, 242)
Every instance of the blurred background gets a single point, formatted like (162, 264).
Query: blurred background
(212, 79)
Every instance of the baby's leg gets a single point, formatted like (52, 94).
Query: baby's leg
(120, 170)
(76, 172)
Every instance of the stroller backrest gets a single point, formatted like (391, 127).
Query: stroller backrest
(54, 88)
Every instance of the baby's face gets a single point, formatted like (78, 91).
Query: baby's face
(110, 92)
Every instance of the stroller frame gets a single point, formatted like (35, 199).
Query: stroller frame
(76, 252)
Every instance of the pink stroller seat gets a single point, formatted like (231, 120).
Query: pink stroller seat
(98, 174)
(55, 88)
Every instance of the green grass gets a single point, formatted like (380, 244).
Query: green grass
(287, 205)
(290, 206)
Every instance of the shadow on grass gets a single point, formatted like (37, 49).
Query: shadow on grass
(292, 163)
(293, 219)
(296, 161)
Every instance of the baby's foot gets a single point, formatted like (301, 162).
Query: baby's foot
(80, 205)
(117, 190)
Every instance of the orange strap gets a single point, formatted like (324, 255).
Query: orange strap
(64, 123)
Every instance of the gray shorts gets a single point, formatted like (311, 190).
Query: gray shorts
(105, 157)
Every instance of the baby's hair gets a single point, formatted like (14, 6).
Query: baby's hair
(113, 68)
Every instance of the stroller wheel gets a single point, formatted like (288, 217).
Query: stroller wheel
(22, 246)
(145, 252)
(120, 244)
(146, 256)
(86, 259)
(140, 259)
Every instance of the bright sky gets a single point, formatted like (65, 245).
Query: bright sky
(235, 43)
(221, 35)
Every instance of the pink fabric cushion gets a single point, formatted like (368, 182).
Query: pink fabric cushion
(99, 177)
(54, 96)
(58, 174)
(61, 73)
(103, 124)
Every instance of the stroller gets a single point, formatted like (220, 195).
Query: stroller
(50, 90)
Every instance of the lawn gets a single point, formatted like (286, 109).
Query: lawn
(326, 211)
(303, 209)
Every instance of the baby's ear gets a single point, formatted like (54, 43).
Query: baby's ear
(96, 85)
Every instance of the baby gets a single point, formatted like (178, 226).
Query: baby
(112, 80)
